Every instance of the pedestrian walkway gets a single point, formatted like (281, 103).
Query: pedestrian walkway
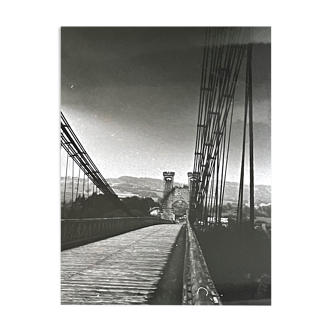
(124, 269)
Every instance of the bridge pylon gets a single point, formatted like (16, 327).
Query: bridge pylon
(175, 202)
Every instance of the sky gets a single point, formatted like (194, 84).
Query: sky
(131, 96)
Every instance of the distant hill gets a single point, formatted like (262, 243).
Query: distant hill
(148, 187)
(145, 187)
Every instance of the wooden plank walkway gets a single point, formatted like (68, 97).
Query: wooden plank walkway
(124, 269)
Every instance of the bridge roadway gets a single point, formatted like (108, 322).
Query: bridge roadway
(126, 269)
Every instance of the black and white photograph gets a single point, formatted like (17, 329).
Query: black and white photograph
(166, 165)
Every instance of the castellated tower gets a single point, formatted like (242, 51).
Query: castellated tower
(175, 204)
(193, 179)
(192, 182)
(168, 182)
(190, 175)
(167, 203)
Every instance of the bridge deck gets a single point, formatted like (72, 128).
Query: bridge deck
(125, 269)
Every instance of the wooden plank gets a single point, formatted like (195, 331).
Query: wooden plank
(120, 282)
(124, 269)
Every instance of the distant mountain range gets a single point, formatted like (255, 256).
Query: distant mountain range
(125, 186)
(148, 187)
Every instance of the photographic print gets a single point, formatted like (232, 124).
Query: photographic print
(165, 165)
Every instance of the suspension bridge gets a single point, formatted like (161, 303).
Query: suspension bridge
(111, 255)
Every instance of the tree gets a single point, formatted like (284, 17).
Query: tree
(143, 205)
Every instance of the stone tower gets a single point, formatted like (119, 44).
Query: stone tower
(190, 175)
(176, 199)
(192, 182)
(168, 187)
(193, 179)
(168, 182)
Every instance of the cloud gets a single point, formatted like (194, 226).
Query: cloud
(116, 43)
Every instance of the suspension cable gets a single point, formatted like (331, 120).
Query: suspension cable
(76, 151)
(78, 182)
(221, 65)
(64, 194)
(83, 184)
(72, 187)
(248, 105)
(208, 152)
(251, 139)
(228, 145)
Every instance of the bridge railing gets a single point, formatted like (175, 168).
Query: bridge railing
(77, 232)
(198, 287)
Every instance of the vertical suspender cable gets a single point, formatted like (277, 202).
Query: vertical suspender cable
(209, 207)
(78, 182)
(83, 184)
(220, 190)
(240, 200)
(72, 187)
(228, 144)
(199, 120)
(217, 188)
(64, 193)
(251, 139)
(223, 163)
(221, 65)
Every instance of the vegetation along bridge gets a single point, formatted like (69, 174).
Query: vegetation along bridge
(112, 254)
